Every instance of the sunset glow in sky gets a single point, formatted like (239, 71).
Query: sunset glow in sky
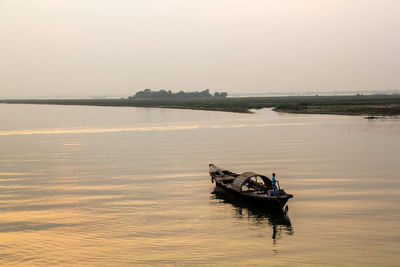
(98, 47)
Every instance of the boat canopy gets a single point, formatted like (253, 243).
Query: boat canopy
(242, 178)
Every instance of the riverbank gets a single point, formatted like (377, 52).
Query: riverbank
(370, 105)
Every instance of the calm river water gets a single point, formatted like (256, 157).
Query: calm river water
(130, 186)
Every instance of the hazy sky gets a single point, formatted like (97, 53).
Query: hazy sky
(95, 47)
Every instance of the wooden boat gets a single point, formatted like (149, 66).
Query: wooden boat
(250, 186)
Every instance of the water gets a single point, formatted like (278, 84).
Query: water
(117, 186)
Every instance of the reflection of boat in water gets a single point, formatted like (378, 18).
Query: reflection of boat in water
(277, 219)
(250, 186)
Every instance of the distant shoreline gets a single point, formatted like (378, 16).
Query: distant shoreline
(368, 105)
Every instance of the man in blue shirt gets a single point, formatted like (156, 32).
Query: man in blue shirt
(274, 182)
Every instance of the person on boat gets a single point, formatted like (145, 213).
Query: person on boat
(274, 182)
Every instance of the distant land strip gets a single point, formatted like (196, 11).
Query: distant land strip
(369, 105)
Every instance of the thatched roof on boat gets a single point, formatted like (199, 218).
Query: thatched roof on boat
(242, 178)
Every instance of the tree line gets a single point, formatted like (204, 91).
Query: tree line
(162, 94)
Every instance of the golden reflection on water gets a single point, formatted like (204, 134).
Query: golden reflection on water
(72, 144)
(13, 173)
(71, 223)
(138, 129)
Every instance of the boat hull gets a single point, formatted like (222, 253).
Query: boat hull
(272, 203)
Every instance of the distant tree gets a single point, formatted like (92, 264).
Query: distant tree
(205, 93)
(222, 94)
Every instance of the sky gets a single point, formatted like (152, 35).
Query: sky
(118, 47)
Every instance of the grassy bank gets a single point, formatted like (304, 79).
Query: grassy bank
(371, 105)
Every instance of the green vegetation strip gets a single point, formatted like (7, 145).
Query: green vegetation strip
(371, 105)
